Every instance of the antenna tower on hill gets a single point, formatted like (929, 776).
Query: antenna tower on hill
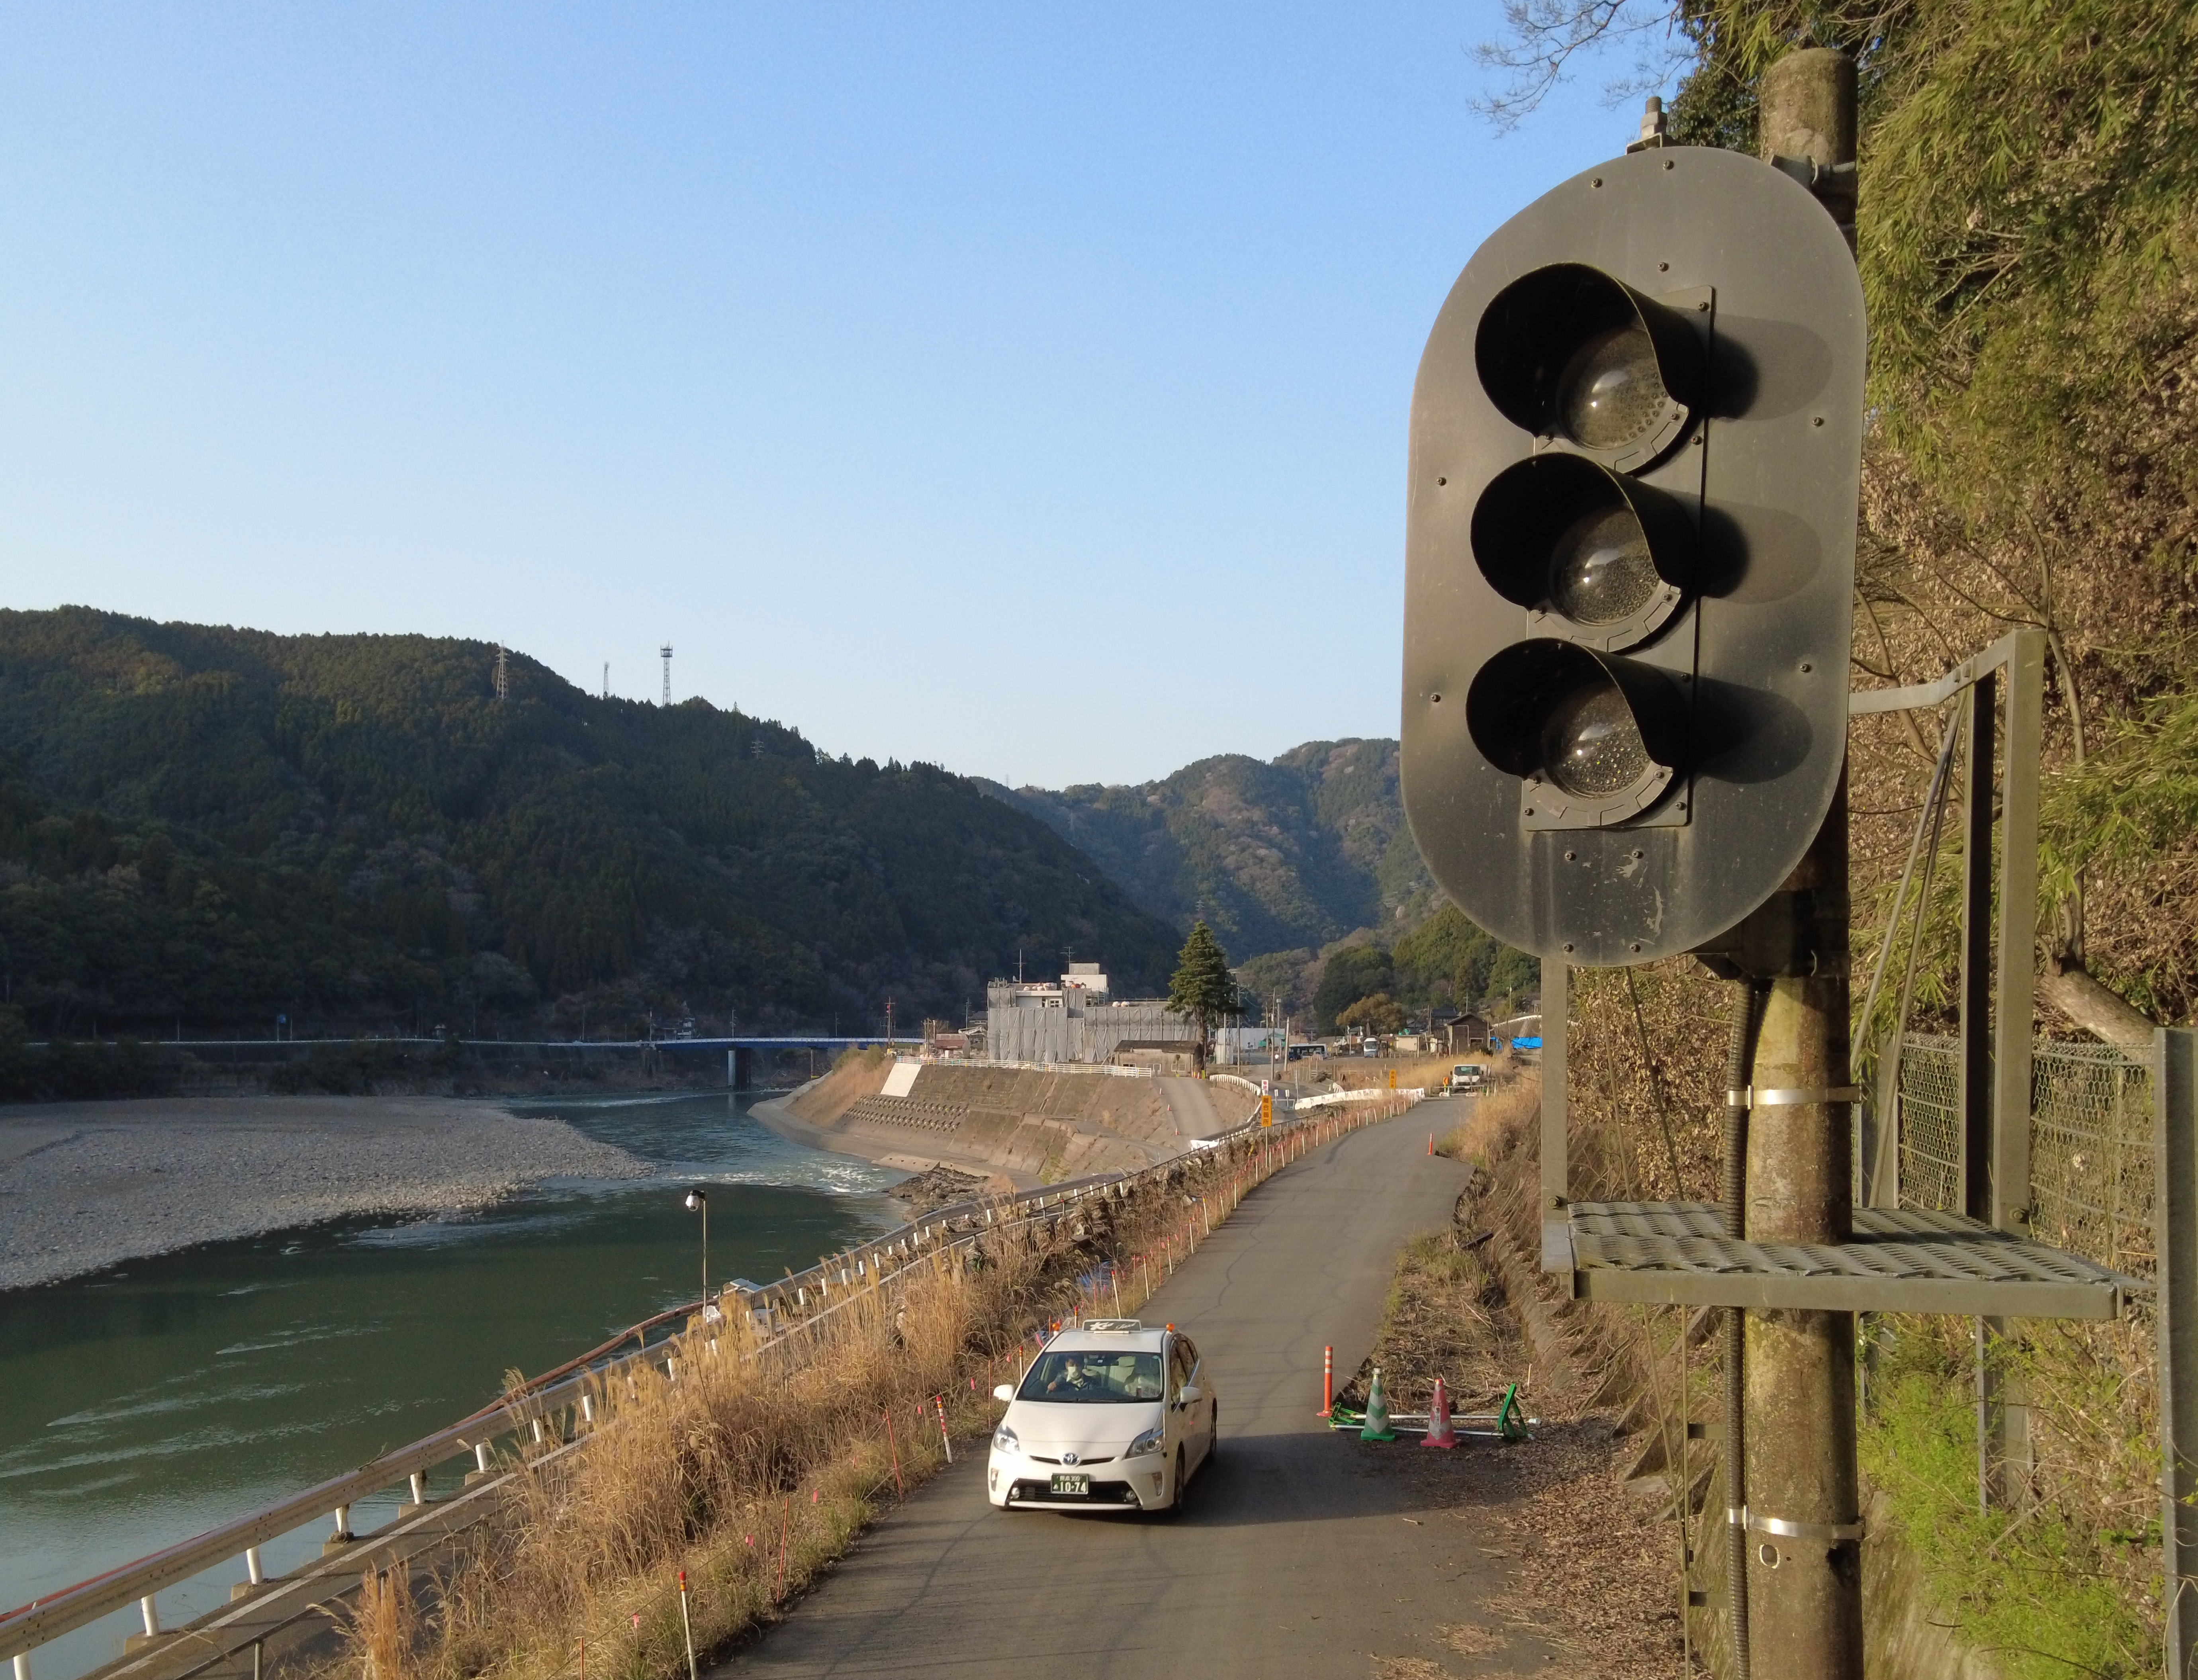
(667, 673)
(606, 679)
(503, 677)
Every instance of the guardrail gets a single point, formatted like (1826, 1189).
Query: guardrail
(779, 1312)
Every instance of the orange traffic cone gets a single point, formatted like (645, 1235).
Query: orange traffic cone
(1439, 1433)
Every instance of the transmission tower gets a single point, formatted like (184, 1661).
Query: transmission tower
(667, 673)
(606, 679)
(503, 677)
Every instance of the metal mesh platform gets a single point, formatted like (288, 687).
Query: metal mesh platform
(1905, 1260)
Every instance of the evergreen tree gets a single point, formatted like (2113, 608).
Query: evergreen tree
(1202, 987)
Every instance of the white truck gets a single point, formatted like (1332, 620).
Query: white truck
(1465, 1077)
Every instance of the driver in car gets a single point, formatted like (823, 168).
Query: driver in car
(1073, 1380)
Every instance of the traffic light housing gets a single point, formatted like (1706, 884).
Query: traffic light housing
(1636, 452)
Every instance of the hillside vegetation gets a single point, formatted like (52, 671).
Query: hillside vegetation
(1305, 869)
(203, 827)
(1299, 853)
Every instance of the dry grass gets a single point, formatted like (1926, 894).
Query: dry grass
(751, 1466)
(1509, 1104)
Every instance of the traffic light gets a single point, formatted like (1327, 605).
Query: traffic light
(1636, 451)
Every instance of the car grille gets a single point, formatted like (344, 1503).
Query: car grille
(1040, 1458)
(1042, 1493)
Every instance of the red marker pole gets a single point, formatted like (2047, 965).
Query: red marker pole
(1328, 1382)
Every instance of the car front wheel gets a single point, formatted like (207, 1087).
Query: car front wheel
(1180, 1497)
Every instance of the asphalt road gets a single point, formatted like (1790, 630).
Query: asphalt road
(1303, 1552)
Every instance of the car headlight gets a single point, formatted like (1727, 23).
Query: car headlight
(1004, 1440)
(1149, 1442)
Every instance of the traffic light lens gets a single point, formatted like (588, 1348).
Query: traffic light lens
(1592, 746)
(1601, 572)
(1610, 391)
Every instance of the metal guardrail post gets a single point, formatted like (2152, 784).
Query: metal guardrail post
(2175, 1140)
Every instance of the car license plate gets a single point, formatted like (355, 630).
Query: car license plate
(1073, 1484)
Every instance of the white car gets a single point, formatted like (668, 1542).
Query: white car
(1111, 1415)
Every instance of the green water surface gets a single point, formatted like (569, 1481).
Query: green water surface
(145, 1404)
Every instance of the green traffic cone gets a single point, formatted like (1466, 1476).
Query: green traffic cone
(1377, 1413)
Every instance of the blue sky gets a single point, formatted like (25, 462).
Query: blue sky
(1021, 389)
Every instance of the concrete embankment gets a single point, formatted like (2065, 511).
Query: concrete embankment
(86, 1185)
(1025, 1126)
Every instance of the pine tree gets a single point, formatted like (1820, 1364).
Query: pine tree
(1202, 987)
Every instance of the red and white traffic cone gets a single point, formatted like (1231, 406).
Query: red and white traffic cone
(1439, 1433)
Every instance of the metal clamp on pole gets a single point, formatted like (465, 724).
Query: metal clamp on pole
(1795, 1531)
(1748, 1097)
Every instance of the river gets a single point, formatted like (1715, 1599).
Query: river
(144, 1404)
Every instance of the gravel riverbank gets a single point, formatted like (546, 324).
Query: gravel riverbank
(85, 1185)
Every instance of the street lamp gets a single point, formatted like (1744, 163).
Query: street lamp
(698, 1201)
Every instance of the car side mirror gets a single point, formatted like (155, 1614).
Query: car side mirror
(1191, 1394)
(1006, 1390)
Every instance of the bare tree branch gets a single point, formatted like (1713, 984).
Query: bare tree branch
(1542, 36)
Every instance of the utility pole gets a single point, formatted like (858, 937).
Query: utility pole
(1804, 1536)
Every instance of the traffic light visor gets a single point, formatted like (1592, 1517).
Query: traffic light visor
(1568, 352)
(1600, 559)
(1595, 739)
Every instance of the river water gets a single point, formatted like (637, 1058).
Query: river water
(145, 1404)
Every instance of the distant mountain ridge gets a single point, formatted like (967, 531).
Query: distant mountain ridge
(1291, 854)
(202, 827)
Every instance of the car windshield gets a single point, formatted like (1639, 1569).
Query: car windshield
(1096, 1376)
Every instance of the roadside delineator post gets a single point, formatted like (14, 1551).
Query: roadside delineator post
(687, 1627)
(1328, 1382)
(945, 1439)
(1439, 1431)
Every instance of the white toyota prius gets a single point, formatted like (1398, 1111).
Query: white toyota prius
(1110, 1415)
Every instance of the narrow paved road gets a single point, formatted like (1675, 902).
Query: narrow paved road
(1299, 1555)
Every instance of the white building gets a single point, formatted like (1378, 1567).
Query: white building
(1073, 1020)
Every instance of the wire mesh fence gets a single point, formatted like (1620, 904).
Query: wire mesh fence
(2091, 1168)
(1930, 1098)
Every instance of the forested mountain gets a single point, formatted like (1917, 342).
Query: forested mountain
(210, 826)
(1292, 854)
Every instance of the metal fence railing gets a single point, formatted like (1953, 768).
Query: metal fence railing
(2093, 1175)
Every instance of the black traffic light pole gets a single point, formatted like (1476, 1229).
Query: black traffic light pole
(1803, 1580)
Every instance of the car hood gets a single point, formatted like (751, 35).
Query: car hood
(1079, 1427)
